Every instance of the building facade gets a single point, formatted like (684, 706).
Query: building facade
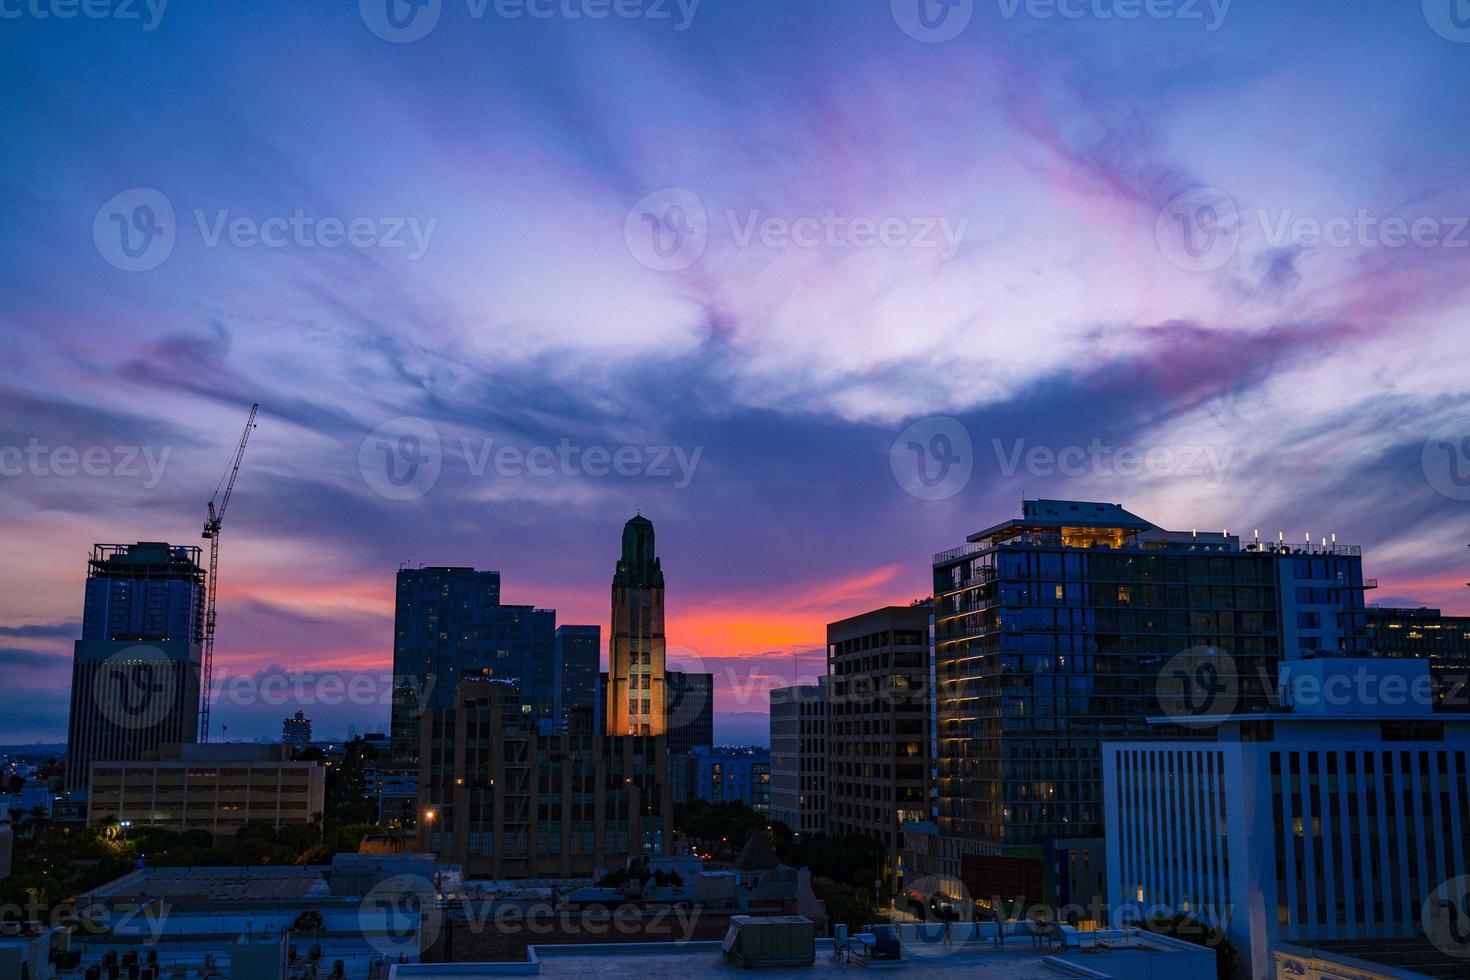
(636, 695)
(449, 623)
(136, 669)
(1332, 822)
(578, 650)
(799, 757)
(296, 732)
(691, 711)
(1052, 632)
(216, 787)
(878, 716)
(502, 797)
(1427, 634)
(726, 775)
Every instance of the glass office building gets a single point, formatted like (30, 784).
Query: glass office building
(1052, 633)
(449, 623)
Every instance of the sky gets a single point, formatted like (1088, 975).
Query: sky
(818, 286)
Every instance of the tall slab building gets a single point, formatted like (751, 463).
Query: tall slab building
(691, 711)
(449, 623)
(135, 675)
(636, 678)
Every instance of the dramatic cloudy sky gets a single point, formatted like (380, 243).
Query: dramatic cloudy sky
(1211, 264)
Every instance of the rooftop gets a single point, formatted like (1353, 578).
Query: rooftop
(1085, 524)
(256, 884)
(1119, 954)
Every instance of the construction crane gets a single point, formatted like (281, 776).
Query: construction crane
(212, 523)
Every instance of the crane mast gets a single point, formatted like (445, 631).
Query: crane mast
(212, 524)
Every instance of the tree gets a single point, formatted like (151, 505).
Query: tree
(722, 826)
(308, 921)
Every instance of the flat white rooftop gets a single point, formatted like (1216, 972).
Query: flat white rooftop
(1132, 957)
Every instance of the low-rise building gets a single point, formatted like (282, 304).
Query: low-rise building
(367, 911)
(965, 950)
(215, 787)
(725, 775)
(1337, 819)
(1430, 635)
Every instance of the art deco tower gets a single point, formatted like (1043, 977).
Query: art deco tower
(635, 675)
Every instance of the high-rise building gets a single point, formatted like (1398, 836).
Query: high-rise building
(636, 673)
(578, 649)
(1426, 633)
(799, 757)
(135, 673)
(450, 623)
(1336, 824)
(296, 732)
(878, 725)
(503, 797)
(1053, 632)
(691, 711)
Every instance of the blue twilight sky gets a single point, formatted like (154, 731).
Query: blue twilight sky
(501, 272)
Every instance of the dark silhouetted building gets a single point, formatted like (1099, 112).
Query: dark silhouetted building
(878, 725)
(135, 673)
(1426, 633)
(296, 732)
(504, 798)
(450, 623)
(578, 649)
(691, 711)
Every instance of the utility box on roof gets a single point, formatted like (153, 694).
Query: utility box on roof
(770, 941)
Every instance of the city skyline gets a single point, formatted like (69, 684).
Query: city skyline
(740, 715)
(763, 394)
